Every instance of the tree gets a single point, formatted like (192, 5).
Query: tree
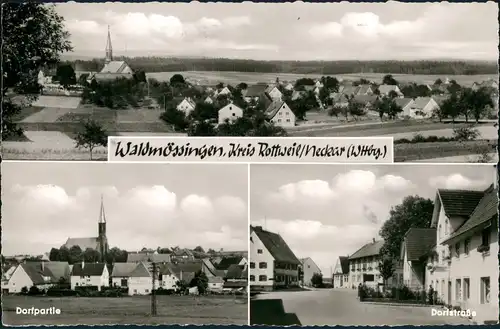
(304, 82)
(82, 79)
(34, 37)
(204, 111)
(387, 106)
(177, 79)
(66, 76)
(414, 211)
(140, 76)
(478, 101)
(438, 82)
(201, 128)
(199, 249)
(75, 255)
(389, 80)
(450, 107)
(355, 109)
(386, 269)
(317, 280)
(331, 84)
(54, 255)
(181, 286)
(200, 281)
(242, 86)
(176, 118)
(93, 135)
(91, 255)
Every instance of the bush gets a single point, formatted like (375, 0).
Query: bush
(34, 291)
(161, 291)
(58, 292)
(468, 133)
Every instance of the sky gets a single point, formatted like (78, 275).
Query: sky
(287, 31)
(327, 211)
(147, 205)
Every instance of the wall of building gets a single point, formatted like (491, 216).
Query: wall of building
(140, 285)
(18, 280)
(413, 274)
(230, 112)
(362, 266)
(284, 117)
(169, 282)
(85, 281)
(117, 281)
(309, 268)
(256, 258)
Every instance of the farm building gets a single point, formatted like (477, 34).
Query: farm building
(280, 114)
(187, 106)
(405, 104)
(121, 273)
(422, 107)
(39, 274)
(215, 283)
(140, 281)
(341, 273)
(230, 112)
(386, 90)
(274, 93)
(89, 274)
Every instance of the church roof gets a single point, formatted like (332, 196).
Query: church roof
(114, 67)
(83, 243)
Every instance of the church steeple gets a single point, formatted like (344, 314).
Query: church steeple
(102, 239)
(109, 49)
(102, 215)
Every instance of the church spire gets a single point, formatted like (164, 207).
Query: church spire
(102, 215)
(109, 48)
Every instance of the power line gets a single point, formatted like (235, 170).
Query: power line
(153, 292)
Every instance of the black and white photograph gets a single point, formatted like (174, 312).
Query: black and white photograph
(423, 73)
(92, 243)
(398, 244)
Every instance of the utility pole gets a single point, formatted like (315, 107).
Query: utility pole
(153, 291)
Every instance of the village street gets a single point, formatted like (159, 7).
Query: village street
(341, 307)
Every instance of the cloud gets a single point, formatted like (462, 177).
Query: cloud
(143, 216)
(455, 181)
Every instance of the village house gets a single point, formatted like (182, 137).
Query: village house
(405, 105)
(120, 274)
(339, 99)
(288, 87)
(215, 283)
(253, 92)
(364, 265)
(168, 278)
(187, 106)
(422, 107)
(463, 269)
(273, 263)
(223, 92)
(280, 114)
(416, 245)
(42, 275)
(274, 93)
(341, 273)
(309, 268)
(230, 112)
(182, 255)
(367, 101)
(140, 281)
(387, 90)
(208, 100)
(89, 274)
(226, 262)
(236, 277)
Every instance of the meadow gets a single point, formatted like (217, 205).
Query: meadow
(234, 78)
(197, 310)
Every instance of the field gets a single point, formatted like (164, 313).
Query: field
(129, 310)
(233, 78)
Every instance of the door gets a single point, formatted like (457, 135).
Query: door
(449, 292)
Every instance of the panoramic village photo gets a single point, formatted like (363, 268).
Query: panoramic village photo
(423, 73)
(373, 245)
(124, 243)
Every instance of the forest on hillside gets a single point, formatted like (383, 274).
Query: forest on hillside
(162, 64)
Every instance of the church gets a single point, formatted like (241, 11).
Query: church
(99, 243)
(112, 69)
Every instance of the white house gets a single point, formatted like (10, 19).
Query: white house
(40, 274)
(289, 87)
(272, 262)
(385, 90)
(208, 100)
(405, 104)
(274, 93)
(463, 270)
(364, 265)
(140, 281)
(422, 107)
(318, 84)
(230, 112)
(309, 268)
(121, 273)
(224, 92)
(168, 278)
(215, 283)
(89, 274)
(341, 273)
(187, 105)
(416, 246)
(280, 114)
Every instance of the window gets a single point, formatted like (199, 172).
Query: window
(262, 265)
(466, 292)
(124, 282)
(442, 256)
(287, 120)
(287, 113)
(308, 266)
(252, 277)
(262, 278)
(466, 246)
(440, 231)
(279, 120)
(280, 113)
(252, 265)
(259, 251)
(485, 290)
(135, 291)
(485, 237)
(457, 250)
(458, 290)
(230, 107)
(146, 290)
(234, 114)
(446, 227)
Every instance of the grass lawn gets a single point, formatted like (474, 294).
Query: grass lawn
(129, 310)
(423, 151)
(26, 112)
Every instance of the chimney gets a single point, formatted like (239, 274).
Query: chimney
(83, 264)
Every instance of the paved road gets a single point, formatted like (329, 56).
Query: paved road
(341, 307)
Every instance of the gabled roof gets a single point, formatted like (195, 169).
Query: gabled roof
(363, 89)
(83, 243)
(486, 210)
(368, 250)
(37, 273)
(59, 269)
(418, 242)
(88, 269)
(140, 271)
(459, 202)
(123, 269)
(189, 101)
(403, 102)
(365, 99)
(344, 264)
(114, 67)
(147, 257)
(226, 262)
(273, 108)
(236, 272)
(385, 89)
(256, 90)
(270, 88)
(107, 76)
(276, 246)
(421, 102)
(350, 90)
(181, 252)
(303, 260)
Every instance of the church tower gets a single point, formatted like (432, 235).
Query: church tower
(102, 239)
(109, 49)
